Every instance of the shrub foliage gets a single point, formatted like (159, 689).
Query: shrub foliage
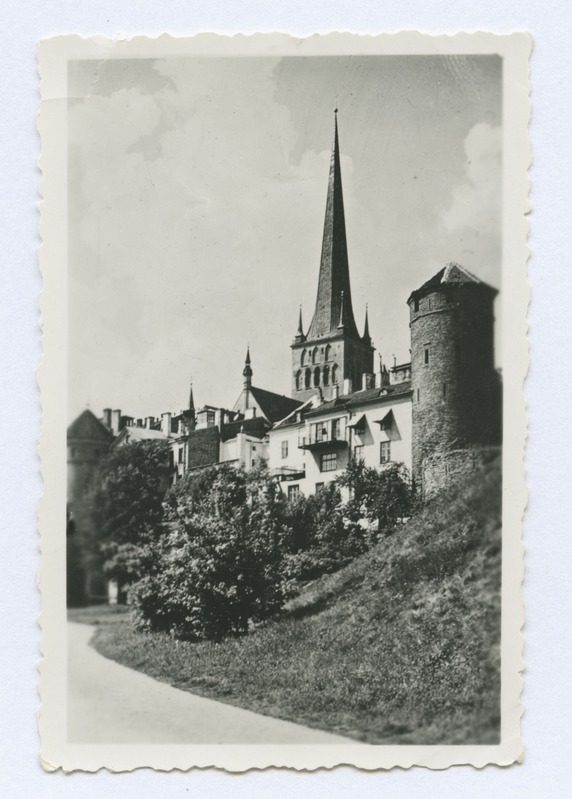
(219, 568)
(121, 514)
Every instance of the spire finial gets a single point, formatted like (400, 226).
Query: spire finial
(191, 398)
(300, 331)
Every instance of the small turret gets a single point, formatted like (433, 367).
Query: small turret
(299, 337)
(247, 371)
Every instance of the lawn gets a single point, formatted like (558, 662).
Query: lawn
(402, 646)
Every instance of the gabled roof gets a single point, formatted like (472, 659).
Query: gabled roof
(274, 406)
(88, 426)
(453, 275)
(290, 420)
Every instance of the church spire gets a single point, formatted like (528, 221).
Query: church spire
(247, 371)
(191, 401)
(334, 279)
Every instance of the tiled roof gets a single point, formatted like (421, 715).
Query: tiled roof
(274, 406)
(453, 275)
(88, 426)
(358, 398)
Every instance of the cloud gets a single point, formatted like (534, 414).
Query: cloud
(476, 202)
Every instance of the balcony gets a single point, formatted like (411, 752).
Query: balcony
(317, 440)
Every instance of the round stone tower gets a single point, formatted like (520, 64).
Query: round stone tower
(456, 394)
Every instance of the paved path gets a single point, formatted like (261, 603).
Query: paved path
(109, 703)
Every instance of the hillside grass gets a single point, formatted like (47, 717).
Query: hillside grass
(402, 646)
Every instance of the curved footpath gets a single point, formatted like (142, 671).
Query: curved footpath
(109, 703)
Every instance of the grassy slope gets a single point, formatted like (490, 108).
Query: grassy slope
(401, 646)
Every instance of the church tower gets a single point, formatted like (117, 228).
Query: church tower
(332, 350)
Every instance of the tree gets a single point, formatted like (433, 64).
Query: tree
(121, 515)
(381, 497)
(219, 569)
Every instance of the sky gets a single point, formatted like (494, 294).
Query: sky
(196, 199)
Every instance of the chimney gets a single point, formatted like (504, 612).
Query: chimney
(139, 422)
(107, 417)
(166, 424)
(115, 422)
(367, 381)
(149, 422)
(336, 390)
(219, 418)
(347, 385)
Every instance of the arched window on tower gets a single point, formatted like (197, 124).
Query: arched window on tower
(303, 358)
(308, 378)
(335, 375)
(328, 352)
(298, 379)
(326, 376)
(315, 355)
(317, 376)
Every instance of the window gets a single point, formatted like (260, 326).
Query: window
(335, 374)
(426, 357)
(418, 395)
(320, 432)
(293, 491)
(329, 462)
(308, 378)
(315, 354)
(319, 487)
(326, 376)
(317, 376)
(328, 352)
(416, 305)
(335, 429)
(284, 448)
(180, 455)
(298, 379)
(358, 452)
(303, 358)
(385, 452)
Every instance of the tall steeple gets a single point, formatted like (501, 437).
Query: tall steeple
(331, 350)
(334, 278)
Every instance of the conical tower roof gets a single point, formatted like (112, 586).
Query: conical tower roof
(334, 278)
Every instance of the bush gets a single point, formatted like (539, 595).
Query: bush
(321, 537)
(220, 568)
(380, 497)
